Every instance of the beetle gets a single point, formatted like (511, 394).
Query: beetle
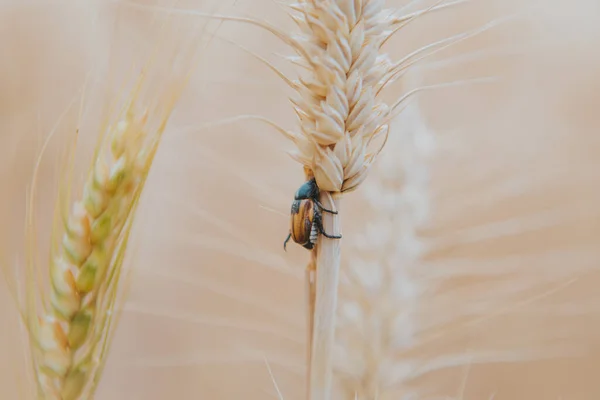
(306, 218)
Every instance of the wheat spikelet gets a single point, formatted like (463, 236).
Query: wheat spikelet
(378, 293)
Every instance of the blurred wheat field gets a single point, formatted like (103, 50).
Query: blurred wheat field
(500, 301)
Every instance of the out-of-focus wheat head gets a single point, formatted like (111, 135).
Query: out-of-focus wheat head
(72, 302)
(70, 332)
(378, 291)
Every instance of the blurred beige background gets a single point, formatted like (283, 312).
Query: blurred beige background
(511, 306)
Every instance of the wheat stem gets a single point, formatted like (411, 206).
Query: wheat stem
(327, 277)
(311, 293)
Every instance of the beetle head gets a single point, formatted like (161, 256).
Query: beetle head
(308, 190)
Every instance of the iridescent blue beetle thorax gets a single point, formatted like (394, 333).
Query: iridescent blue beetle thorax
(309, 190)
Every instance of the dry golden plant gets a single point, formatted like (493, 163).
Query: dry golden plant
(72, 303)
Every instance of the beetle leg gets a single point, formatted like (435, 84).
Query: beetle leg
(329, 236)
(323, 208)
(286, 241)
(319, 224)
